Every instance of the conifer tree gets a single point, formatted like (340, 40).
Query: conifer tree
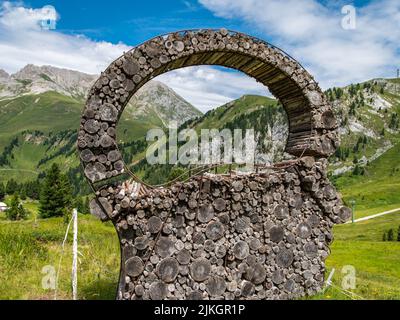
(16, 210)
(55, 195)
(86, 207)
(2, 191)
(32, 189)
(390, 235)
(23, 192)
(78, 204)
(398, 234)
(82, 205)
(11, 187)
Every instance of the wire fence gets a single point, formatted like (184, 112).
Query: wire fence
(74, 271)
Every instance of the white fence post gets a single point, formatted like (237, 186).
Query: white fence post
(75, 256)
(61, 256)
(328, 282)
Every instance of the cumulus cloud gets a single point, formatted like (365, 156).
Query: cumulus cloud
(207, 87)
(23, 41)
(313, 33)
(309, 30)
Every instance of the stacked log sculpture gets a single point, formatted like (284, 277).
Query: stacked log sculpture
(254, 236)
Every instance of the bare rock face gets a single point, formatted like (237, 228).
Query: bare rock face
(45, 78)
(254, 236)
(3, 75)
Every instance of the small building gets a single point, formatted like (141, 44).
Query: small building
(3, 207)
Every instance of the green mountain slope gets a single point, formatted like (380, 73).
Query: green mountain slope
(263, 114)
(246, 105)
(368, 115)
(366, 166)
(40, 110)
(36, 130)
(47, 112)
(39, 128)
(378, 188)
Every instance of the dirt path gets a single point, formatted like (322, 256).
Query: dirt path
(375, 215)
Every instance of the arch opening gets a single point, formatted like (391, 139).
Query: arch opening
(247, 113)
(312, 127)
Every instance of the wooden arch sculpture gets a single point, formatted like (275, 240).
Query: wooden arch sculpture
(255, 236)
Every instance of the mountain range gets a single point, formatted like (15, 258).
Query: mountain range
(40, 108)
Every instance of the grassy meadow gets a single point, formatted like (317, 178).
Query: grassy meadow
(378, 189)
(27, 247)
(377, 262)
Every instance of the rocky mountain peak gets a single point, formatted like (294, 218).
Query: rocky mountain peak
(38, 79)
(27, 72)
(33, 72)
(155, 99)
(160, 100)
(3, 74)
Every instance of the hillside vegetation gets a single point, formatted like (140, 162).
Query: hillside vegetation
(26, 247)
(40, 111)
(376, 262)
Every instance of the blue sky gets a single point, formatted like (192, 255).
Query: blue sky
(90, 34)
(132, 22)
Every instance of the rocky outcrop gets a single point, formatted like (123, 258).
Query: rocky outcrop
(158, 100)
(3, 75)
(155, 100)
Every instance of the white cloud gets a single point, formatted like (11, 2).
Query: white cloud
(313, 34)
(209, 87)
(310, 31)
(23, 41)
